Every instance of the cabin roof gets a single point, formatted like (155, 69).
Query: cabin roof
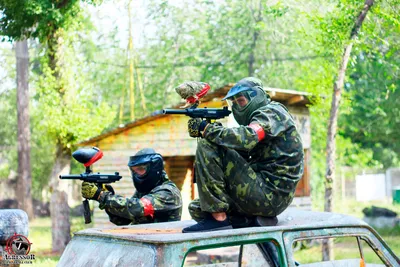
(161, 233)
(285, 96)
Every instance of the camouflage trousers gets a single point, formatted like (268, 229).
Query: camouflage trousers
(227, 183)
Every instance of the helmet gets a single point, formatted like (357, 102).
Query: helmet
(146, 168)
(245, 97)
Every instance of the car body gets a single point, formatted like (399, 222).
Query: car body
(163, 244)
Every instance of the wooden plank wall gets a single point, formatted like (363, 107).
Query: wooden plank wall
(180, 170)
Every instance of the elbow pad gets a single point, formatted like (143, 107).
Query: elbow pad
(148, 208)
(259, 131)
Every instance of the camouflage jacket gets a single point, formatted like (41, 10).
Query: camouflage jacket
(278, 158)
(162, 204)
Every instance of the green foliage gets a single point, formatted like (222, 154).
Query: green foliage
(37, 18)
(70, 119)
(65, 108)
(373, 88)
(8, 120)
(289, 44)
(222, 43)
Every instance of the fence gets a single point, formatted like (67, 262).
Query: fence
(365, 185)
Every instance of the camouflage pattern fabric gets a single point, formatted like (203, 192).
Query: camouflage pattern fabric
(165, 198)
(237, 173)
(188, 89)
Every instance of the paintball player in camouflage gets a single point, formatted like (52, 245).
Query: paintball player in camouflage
(248, 174)
(157, 199)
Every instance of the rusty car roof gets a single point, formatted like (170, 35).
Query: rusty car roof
(170, 232)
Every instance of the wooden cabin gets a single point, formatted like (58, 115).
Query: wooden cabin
(167, 135)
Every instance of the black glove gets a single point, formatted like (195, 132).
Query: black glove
(109, 188)
(90, 191)
(196, 126)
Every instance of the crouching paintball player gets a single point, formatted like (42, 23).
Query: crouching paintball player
(248, 174)
(157, 199)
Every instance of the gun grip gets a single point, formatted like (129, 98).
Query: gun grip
(86, 211)
(108, 188)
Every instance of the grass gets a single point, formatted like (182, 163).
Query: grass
(40, 237)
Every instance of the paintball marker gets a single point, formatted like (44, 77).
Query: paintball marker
(192, 92)
(204, 113)
(88, 156)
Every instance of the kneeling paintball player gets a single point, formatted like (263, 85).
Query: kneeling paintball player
(157, 199)
(247, 174)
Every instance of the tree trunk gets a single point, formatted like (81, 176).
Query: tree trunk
(257, 18)
(332, 127)
(24, 178)
(60, 231)
(61, 228)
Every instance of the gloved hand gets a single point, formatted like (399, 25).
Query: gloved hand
(196, 126)
(109, 188)
(90, 191)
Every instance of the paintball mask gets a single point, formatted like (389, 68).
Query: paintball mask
(245, 97)
(146, 168)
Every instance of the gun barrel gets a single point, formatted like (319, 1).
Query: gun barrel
(175, 111)
(71, 176)
(207, 113)
(102, 178)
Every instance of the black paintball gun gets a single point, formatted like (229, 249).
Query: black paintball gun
(88, 156)
(209, 114)
(192, 92)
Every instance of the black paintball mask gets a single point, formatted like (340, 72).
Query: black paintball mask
(146, 168)
(245, 97)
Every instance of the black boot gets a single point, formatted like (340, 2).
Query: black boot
(266, 221)
(241, 221)
(208, 224)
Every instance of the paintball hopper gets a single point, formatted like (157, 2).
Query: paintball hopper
(87, 156)
(192, 92)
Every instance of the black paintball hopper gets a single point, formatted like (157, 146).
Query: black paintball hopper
(87, 156)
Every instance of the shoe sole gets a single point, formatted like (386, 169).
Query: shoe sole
(211, 230)
(266, 221)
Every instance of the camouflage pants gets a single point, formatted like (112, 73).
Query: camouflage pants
(227, 183)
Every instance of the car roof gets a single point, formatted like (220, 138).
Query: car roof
(171, 232)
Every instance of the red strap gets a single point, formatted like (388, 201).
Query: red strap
(148, 208)
(259, 131)
(192, 99)
(95, 158)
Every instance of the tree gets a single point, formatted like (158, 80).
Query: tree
(332, 126)
(373, 89)
(50, 22)
(24, 181)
